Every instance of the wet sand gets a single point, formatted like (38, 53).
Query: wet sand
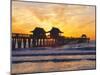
(33, 67)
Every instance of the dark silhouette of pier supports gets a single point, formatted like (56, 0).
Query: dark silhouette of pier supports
(13, 43)
(19, 43)
(38, 38)
(29, 42)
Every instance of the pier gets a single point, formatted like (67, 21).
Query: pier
(38, 38)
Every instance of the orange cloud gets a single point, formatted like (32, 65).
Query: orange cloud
(73, 20)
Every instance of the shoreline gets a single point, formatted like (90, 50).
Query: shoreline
(30, 67)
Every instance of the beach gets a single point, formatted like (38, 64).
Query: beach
(48, 59)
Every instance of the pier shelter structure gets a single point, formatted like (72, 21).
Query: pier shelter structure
(39, 38)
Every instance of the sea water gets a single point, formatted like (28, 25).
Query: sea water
(47, 59)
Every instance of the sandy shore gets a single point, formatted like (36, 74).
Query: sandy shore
(30, 67)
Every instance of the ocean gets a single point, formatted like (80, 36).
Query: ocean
(69, 57)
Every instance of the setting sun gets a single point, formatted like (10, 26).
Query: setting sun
(73, 20)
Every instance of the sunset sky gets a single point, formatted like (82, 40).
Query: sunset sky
(73, 20)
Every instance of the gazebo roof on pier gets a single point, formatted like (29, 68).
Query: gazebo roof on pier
(56, 30)
(38, 30)
(83, 36)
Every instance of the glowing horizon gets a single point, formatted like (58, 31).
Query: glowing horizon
(73, 20)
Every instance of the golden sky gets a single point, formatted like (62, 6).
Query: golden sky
(73, 20)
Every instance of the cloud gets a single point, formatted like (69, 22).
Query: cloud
(73, 20)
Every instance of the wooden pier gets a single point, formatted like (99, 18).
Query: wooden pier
(27, 41)
(38, 38)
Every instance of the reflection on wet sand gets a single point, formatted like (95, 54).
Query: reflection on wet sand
(29, 67)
